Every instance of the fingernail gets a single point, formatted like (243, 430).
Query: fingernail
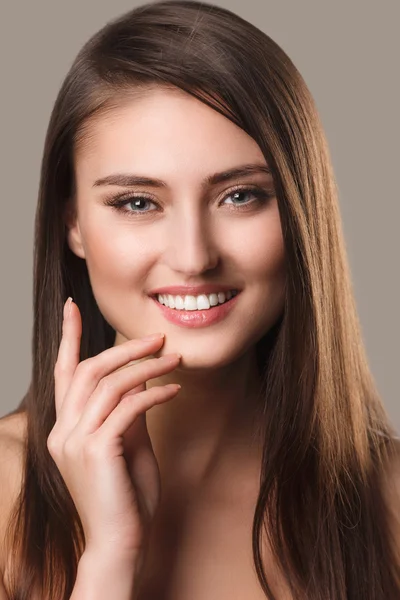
(67, 308)
(174, 386)
(154, 336)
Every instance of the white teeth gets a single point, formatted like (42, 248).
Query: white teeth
(213, 299)
(179, 303)
(190, 303)
(201, 302)
(171, 301)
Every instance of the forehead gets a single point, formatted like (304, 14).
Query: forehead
(163, 133)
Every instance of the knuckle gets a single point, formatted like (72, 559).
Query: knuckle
(128, 403)
(106, 385)
(87, 368)
(53, 443)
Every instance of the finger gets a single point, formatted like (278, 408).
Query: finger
(131, 407)
(91, 371)
(110, 390)
(68, 352)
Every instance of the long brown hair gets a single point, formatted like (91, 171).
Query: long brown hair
(327, 434)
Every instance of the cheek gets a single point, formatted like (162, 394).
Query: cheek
(119, 259)
(115, 257)
(118, 264)
(259, 248)
(262, 260)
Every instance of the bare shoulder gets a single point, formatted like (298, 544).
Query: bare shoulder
(12, 438)
(13, 427)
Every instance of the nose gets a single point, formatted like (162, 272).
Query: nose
(192, 248)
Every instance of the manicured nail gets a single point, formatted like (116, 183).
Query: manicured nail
(67, 308)
(175, 387)
(154, 336)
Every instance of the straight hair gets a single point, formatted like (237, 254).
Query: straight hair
(327, 437)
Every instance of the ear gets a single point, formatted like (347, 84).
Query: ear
(73, 232)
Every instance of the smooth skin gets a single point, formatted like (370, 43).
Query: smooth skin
(209, 466)
(113, 478)
(186, 232)
(114, 481)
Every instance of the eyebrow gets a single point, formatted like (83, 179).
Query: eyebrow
(130, 179)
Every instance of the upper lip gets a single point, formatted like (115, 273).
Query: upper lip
(182, 290)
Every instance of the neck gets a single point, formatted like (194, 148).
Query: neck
(209, 425)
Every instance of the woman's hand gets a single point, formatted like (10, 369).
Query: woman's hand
(100, 442)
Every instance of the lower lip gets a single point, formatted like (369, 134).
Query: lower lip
(198, 318)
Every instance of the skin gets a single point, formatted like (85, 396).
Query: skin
(207, 431)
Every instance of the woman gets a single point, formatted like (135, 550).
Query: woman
(187, 190)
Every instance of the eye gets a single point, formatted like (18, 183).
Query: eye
(138, 202)
(259, 195)
(119, 202)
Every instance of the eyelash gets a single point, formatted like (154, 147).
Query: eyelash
(119, 201)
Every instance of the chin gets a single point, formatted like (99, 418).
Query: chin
(197, 359)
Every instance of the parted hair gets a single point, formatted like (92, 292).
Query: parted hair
(327, 437)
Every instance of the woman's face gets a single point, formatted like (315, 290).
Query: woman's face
(185, 232)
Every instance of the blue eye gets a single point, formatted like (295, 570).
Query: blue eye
(119, 202)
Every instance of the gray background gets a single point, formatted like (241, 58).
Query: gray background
(348, 54)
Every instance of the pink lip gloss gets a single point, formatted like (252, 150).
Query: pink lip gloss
(197, 318)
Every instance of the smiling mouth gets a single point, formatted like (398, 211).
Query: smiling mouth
(202, 302)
